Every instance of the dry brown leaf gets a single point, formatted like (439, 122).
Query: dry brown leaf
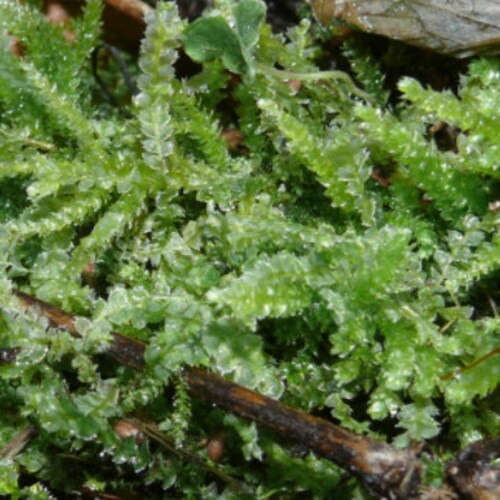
(459, 28)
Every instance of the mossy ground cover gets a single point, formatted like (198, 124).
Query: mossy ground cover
(342, 255)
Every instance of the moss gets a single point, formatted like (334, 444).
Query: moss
(338, 257)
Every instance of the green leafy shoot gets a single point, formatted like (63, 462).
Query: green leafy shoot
(297, 233)
(212, 37)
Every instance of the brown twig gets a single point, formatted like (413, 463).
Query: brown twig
(471, 473)
(386, 472)
(123, 349)
(169, 444)
(478, 361)
(383, 470)
(17, 444)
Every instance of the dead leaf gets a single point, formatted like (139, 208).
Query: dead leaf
(460, 28)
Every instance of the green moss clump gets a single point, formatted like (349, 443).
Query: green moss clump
(337, 259)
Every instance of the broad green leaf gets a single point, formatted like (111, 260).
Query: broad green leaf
(249, 16)
(211, 38)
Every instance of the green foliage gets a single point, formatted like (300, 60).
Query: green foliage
(212, 37)
(337, 259)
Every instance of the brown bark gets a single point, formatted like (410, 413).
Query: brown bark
(472, 474)
(381, 468)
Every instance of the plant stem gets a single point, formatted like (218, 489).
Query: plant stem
(186, 455)
(316, 75)
(17, 444)
(478, 361)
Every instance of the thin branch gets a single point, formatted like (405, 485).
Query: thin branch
(17, 444)
(478, 361)
(472, 474)
(316, 76)
(382, 469)
(123, 349)
(169, 444)
(41, 145)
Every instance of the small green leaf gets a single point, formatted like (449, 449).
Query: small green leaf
(211, 38)
(249, 15)
(8, 478)
(249, 434)
(419, 422)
